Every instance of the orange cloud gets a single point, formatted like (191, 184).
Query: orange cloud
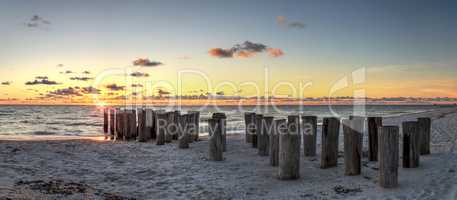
(275, 52)
(246, 54)
(221, 53)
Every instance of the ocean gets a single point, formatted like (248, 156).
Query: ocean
(88, 120)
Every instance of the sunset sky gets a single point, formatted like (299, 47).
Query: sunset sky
(406, 48)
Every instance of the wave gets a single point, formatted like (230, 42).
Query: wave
(83, 124)
(42, 133)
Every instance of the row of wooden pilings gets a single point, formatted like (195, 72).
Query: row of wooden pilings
(281, 140)
(145, 125)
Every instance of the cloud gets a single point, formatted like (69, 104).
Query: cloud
(145, 62)
(114, 87)
(163, 92)
(275, 52)
(81, 78)
(6, 83)
(251, 47)
(282, 21)
(41, 80)
(37, 22)
(67, 72)
(221, 53)
(90, 90)
(245, 50)
(297, 25)
(86, 72)
(70, 91)
(139, 74)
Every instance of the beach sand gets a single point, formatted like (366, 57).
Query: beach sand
(91, 168)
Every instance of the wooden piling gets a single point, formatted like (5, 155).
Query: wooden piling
(411, 144)
(264, 140)
(279, 127)
(352, 130)
(184, 137)
(125, 125)
(174, 118)
(388, 137)
(105, 121)
(148, 123)
(373, 126)
(215, 152)
(258, 130)
(289, 150)
(425, 124)
(194, 119)
(168, 127)
(132, 123)
(330, 135)
(154, 121)
(112, 121)
(161, 126)
(143, 134)
(119, 127)
(309, 124)
(249, 122)
(223, 123)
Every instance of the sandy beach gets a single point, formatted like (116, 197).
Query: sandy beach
(90, 168)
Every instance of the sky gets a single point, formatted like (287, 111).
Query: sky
(59, 49)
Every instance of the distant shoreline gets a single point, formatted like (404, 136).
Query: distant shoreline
(247, 104)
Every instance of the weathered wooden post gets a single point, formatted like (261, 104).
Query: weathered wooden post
(161, 126)
(373, 126)
(190, 121)
(411, 144)
(148, 123)
(143, 130)
(117, 125)
(289, 150)
(330, 135)
(184, 137)
(258, 130)
(249, 122)
(168, 130)
(352, 130)
(133, 129)
(215, 140)
(388, 137)
(112, 121)
(105, 122)
(279, 127)
(174, 118)
(195, 119)
(264, 140)
(125, 125)
(153, 128)
(222, 119)
(309, 124)
(425, 124)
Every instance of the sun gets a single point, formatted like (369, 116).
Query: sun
(101, 105)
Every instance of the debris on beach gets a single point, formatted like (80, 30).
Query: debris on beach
(339, 189)
(64, 188)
